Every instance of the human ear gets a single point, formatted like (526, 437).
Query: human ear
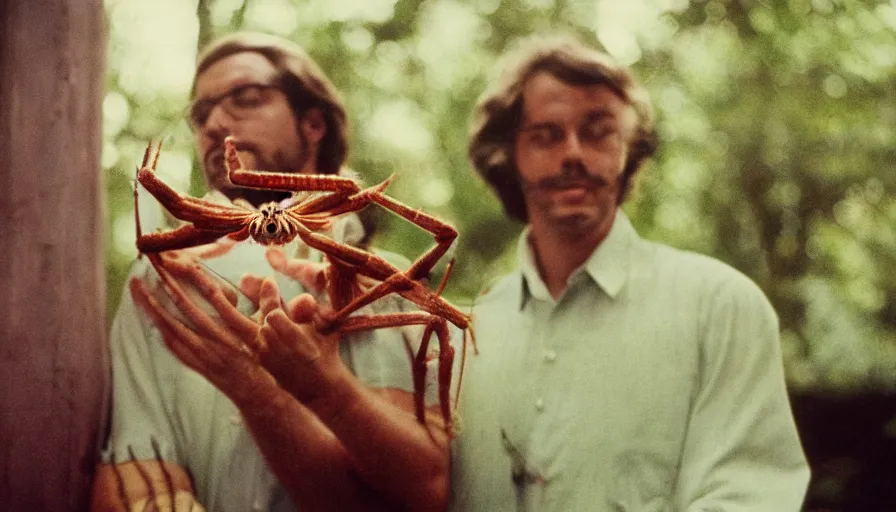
(312, 125)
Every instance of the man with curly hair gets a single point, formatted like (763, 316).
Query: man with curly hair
(614, 373)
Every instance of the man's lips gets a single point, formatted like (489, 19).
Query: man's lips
(560, 183)
(575, 194)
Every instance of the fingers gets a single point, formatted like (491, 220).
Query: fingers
(212, 291)
(230, 293)
(268, 297)
(312, 276)
(234, 374)
(284, 337)
(179, 339)
(214, 250)
(183, 303)
(277, 259)
(302, 308)
(250, 285)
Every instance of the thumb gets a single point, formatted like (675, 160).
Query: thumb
(302, 308)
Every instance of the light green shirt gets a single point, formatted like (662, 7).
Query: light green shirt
(655, 383)
(195, 425)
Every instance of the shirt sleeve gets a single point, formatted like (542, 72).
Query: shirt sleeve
(143, 377)
(742, 450)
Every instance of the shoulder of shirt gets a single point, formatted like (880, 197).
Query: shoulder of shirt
(140, 268)
(500, 289)
(694, 271)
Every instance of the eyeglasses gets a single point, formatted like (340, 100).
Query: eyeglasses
(239, 103)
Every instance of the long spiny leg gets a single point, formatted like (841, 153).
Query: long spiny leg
(120, 485)
(366, 263)
(152, 502)
(372, 266)
(150, 158)
(151, 155)
(444, 234)
(294, 182)
(188, 208)
(448, 268)
(433, 324)
(352, 203)
(446, 360)
(392, 279)
(169, 481)
(394, 283)
(342, 283)
(183, 237)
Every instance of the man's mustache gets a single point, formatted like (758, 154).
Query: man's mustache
(568, 177)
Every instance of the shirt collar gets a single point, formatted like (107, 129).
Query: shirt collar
(608, 265)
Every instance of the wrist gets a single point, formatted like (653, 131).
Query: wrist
(337, 398)
(318, 382)
(258, 398)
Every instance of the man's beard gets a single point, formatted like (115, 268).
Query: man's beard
(276, 163)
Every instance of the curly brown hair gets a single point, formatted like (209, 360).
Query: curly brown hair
(301, 79)
(499, 111)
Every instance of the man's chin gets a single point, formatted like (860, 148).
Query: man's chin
(580, 223)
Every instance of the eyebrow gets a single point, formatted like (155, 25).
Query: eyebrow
(600, 115)
(241, 81)
(591, 116)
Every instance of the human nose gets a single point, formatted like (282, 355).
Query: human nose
(218, 124)
(573, 151)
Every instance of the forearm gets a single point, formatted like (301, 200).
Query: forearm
(308, 460)
(406, 461)
(394, 454)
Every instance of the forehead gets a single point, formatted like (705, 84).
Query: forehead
(233, 70)
(547, 97)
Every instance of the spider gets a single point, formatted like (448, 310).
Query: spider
(355, 277)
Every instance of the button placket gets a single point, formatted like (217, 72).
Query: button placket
(542, 333)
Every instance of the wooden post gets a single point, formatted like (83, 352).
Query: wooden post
(53, 355)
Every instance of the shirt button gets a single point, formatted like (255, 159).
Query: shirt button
(539, 405)
(550, 356)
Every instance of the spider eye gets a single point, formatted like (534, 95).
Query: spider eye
(271, 228)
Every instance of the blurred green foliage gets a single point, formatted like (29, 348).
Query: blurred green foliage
(777, 120)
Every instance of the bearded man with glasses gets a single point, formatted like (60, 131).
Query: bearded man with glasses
(223, 434)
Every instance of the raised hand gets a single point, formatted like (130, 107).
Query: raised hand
(225, 350)
(304, 361)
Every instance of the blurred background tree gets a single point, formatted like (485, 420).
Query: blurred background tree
(777, 120)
